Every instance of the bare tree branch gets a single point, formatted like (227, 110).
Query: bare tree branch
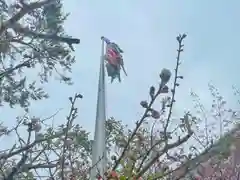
(72, 115)
(165, 149)
(16, 169)
(27, 32)
(10, 70)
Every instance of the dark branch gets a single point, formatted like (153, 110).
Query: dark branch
(10, 70)
(27, 32)
(165, 149)
(16, 169)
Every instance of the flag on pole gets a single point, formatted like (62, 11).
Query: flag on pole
(112, 44)
(114, 59)
(114, 63)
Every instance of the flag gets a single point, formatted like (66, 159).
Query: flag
(112, 56)
(113, 52)
(114, 59)
(112, 44)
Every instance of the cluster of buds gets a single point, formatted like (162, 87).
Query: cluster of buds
(165, 76)
(33, 125)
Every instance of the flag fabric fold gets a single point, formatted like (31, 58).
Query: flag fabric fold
(114, 59)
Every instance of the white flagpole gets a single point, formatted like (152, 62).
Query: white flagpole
(99, 143)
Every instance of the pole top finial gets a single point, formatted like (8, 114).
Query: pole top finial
(102, 37)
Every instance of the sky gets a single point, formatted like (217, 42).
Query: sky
(146, 31)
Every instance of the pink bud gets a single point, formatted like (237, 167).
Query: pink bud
(144, 104)
(155, 114)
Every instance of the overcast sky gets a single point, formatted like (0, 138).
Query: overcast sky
(146, 31)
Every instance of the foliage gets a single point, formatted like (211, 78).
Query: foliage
(32, 37)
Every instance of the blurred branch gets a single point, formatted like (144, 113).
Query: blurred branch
(27, 32)
(48, 162)
(165, 149)
(10, 70)
(175, 84)
(72, 115)
(25, 9)
(31, 145)
(138, 124)
(16, 169)
(165, 77)
(22, 161)
(38, 166)
(151, 144)
(180, 39)
(148, 153)
(190, 164)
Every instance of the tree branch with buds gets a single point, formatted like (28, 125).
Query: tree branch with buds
(142, 164)
(72, 115)
(180, 39)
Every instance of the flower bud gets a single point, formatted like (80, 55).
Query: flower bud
(155, 114)
(144, 104)
(165, 76)
(152, 91)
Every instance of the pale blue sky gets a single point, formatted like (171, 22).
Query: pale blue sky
(146, 31)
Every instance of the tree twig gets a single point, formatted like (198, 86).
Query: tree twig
(72, 115)
(180, 39)
(165, 149)
(27, 32)
(10, 70)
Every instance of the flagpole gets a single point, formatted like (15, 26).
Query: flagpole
(99, 142)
